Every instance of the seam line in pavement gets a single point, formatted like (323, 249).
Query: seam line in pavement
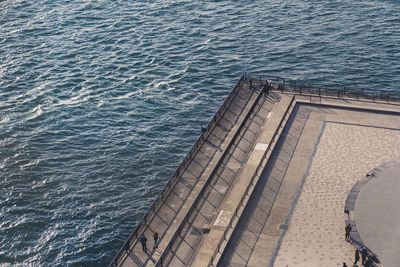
(364, 125)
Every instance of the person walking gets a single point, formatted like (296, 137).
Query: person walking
(348, 230)
(155, 237)
(143, 240)
(356, 257)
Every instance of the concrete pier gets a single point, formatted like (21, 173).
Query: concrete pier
(267, 181)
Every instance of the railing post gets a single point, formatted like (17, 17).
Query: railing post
(180, 234)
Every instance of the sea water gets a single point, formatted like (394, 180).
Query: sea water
(101, 100)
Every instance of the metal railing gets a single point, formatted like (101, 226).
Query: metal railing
(308, 88)
(181, 168)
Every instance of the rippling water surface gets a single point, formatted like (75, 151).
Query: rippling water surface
(100, 100)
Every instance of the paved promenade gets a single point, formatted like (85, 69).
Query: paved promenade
(345, 153)
(268, 187)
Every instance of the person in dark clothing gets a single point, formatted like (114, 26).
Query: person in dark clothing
(364, 254)
(155, 237)
(368, 262)
(266, 87)
(143, 240)
(348, 230)
(356, 257)
(373, 258)
(344, 264)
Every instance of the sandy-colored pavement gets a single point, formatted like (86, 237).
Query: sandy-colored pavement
(346, 152)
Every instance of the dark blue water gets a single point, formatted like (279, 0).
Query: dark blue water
(100, 100)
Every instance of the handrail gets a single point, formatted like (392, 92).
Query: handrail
(305, 87)
(182, 166)
(250, 185)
